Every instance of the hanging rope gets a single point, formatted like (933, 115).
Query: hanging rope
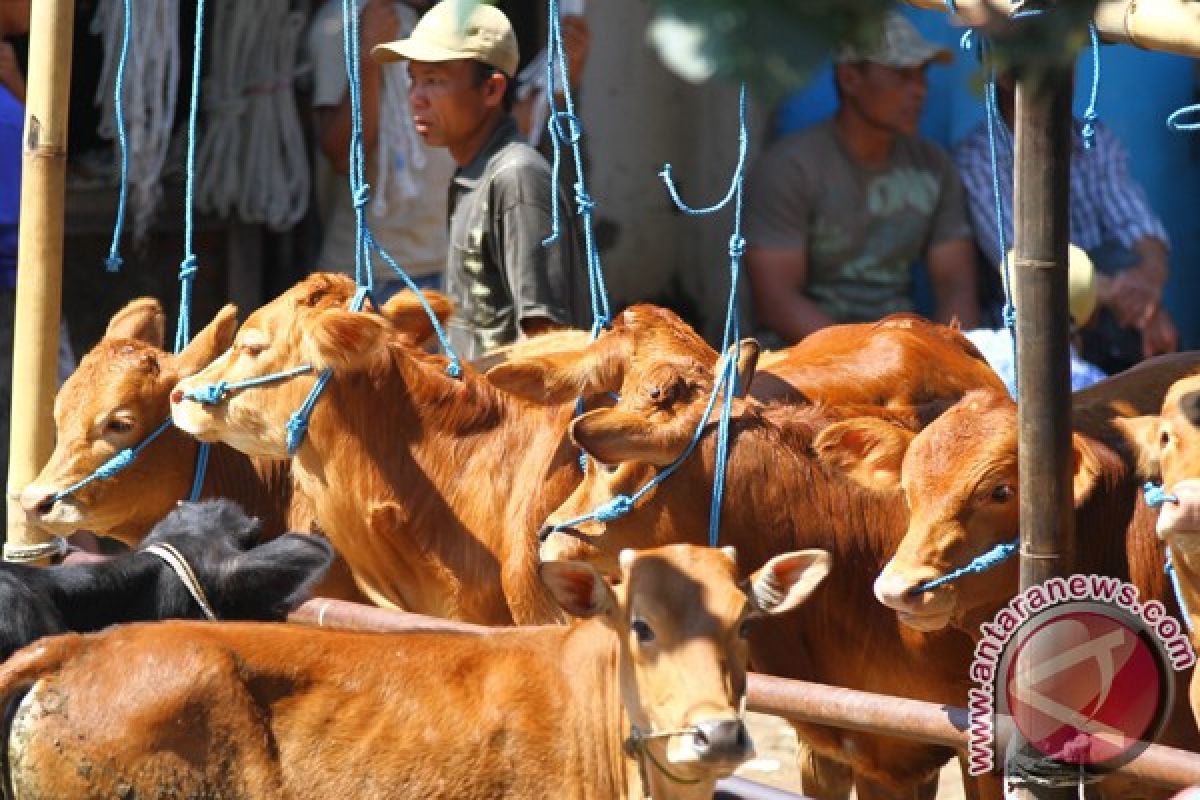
(136, 92)
(1177, 120)
(252, 156)
(566, 130)
(1155, 496)
(726, 381)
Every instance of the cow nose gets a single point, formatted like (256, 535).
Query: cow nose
(545, 533)
(37, 500)
(177, 396)
(1190, 405)
(896, 591)
(723, 740)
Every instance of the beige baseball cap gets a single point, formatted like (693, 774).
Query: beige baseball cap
(899, 45)
(445, 33)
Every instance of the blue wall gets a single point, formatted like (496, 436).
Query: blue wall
(1138, 89)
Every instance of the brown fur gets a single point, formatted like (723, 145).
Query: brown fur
(266, 712)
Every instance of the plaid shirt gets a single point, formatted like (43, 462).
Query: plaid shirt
(1107, 205)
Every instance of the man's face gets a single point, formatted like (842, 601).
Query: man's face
(449, 101)
(890, 98)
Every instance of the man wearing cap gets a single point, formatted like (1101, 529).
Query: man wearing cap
(504, 282)
(837, 214)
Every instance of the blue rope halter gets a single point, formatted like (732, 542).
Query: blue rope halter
(297, 424)
(1155, 496)
(981, 563)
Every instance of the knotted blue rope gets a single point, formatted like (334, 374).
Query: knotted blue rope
(215, 393)
(360, 191)
(981, 563)
(114, 465)
(565, 128)
(113, 262)
(725, 384)
(1090, 115)
(1155, 495)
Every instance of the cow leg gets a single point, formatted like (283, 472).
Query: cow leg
(821, 777)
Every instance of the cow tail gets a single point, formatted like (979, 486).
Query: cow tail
(17, 676)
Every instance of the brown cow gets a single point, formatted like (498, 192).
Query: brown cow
(431, 487)
(778, 498)
(1168, 445)
(654, 679)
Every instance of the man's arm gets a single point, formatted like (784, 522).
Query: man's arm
(777, 280)
(952, 273)
(377, 24)
(1134, 295)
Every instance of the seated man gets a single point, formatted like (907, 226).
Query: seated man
(1110, 219)
(836, 215)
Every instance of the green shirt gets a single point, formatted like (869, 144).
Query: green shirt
(862, 227)
(498, 272)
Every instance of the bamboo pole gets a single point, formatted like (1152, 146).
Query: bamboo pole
(39, 256)
(1168, 26)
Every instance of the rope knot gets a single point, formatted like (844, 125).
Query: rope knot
(454, 368)
(1010, 315)
(116, 464)
(614, 509)
(209, 395)
(297, 426)
(737, 246)
(1088, 132)
(583, 201)
(188, 268)
(362, 196)
(1156, 495)
(113, 263)
(574, 127)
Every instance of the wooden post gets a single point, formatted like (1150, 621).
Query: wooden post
(1040, 231)
(40, 252)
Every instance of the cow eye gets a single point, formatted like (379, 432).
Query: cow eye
(118, 425)
(1164, 439)
(1002, 493)
(642, 630)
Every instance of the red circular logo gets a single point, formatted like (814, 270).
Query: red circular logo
(1086, 687)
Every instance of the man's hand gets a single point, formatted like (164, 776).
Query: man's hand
(377, 23)
(1159, 335)
(577, 42)
(1133, 297)
(10, 71)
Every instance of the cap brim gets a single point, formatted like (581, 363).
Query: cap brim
(410, 50)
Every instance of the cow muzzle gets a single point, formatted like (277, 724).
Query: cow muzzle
(925, 611)
(44, 509)
(719, 743)
(1179, 521)
(565, 544)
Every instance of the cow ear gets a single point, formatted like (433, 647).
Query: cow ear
(269, 580)
(1142, 435)
(142, 319)
(343, 340)
(748, 352)
(409, 318)
(205, 346)
(788, 579)
(1089, 465)
(559, 377)
(613, 436)
(870, 451)
(577, 587)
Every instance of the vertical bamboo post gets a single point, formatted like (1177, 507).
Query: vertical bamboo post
(1040, 231)
(40, 254)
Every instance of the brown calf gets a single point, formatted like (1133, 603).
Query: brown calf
(642, 699)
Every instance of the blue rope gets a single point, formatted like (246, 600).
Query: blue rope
(201, 469)
(565, 128)
(297, 424)
(114, 465)
(360, 191)
(113, 262)
(997, 555)
(1174, 123)
(187, 267)
(1089, 116)
(725, 385)
(216, 393)
(1155, 496)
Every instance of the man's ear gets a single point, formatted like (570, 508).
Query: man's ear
(1142, 436)
(577, 587)
(868, 450)
(342, 340)
(408, 316)
(788, 579)
(141, 319)
(214, 339)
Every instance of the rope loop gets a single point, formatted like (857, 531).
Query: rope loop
(362, 196)
(583, 200)
(188, 268)
(1175, 121)
(574, 127)
(1155, 495)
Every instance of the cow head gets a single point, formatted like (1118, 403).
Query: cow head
(1168, 446)
(681, 618)
(310, 324)
(114, 400)
(241, 578)
(959, 476)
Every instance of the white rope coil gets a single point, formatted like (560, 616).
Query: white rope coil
(251, 158)
(151, 85)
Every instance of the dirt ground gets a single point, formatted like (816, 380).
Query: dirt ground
(775, 764)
